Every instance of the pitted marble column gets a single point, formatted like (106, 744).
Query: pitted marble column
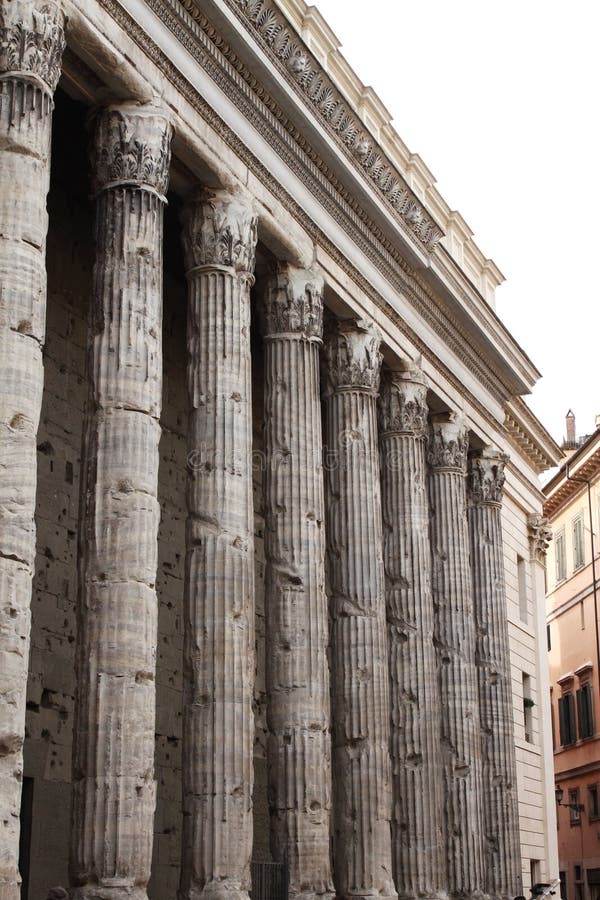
(31, 46)
(113, 768)
(298, 708)
(359, 669)
(502, 850)
(454, 636)
(219, 234)
(417, 830)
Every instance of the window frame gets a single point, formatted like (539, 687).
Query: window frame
(578, 533)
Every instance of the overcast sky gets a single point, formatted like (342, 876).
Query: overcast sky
(500, 98)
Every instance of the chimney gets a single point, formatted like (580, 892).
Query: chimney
(598, 420)
(571, 441)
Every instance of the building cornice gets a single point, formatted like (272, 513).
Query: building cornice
(530, 437)
(569, 481)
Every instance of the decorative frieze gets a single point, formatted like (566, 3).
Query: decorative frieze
(114, 790)
(328, 103)
(359, 668)
(417, 822)
(297, 672)
(219, 235)
(540, 535)
(502, 852)
(455, 641)
(31, 45)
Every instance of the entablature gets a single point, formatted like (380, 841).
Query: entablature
(423, 294)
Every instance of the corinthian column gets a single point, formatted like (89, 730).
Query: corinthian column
(417, 832)
(113, 768)
(360, 697)
(299, 746)
(31, 46)
(219, 238)
(502, 850)
(454, 635)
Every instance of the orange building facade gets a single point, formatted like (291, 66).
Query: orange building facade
(573, 596)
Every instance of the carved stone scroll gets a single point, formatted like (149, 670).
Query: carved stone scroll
(359, 668)
(113, 768)
(417, 829)
(219, 235)
(31, 46)
(299, 743)
(502, 851)
(454, 636)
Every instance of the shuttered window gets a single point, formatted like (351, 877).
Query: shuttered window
(585, 711)
(578, 547)
(559, 552)
(566, 716)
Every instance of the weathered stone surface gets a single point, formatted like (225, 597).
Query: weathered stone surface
(299, 743)
(502, 852)
(31, 46)
(219, 233)
(113, 769)
(454, 636)
(417, 827)
(359, 667)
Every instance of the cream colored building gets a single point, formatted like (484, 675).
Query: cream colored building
(271, 544)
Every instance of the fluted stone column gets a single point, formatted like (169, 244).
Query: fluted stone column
(417, 829)
(31, 46)
(502, 849)
(219, 235)
(454, 636)
(113, 768)
(299, 742)
(359, 670)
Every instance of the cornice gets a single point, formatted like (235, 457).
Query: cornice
(582, 466)
(530, 437)
(364, 233)
(197, 34)
(313, 85)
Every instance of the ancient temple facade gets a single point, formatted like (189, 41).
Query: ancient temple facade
(271, 544)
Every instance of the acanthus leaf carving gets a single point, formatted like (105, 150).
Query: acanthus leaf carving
(353, 357)
(32, 40)
(132, 145)
(486, 477)
(293, 302)
(540, 535)
(403, 404)
(448, 443)
(220, 229)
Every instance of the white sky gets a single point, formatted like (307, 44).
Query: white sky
(501, 100)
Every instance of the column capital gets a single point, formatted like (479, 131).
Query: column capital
(486, 477)
(353, 357)
(403, 403)
(293, 302)
(131, 146)
(448, 442)
(32, 41)
(219, 230)
(540, 535)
